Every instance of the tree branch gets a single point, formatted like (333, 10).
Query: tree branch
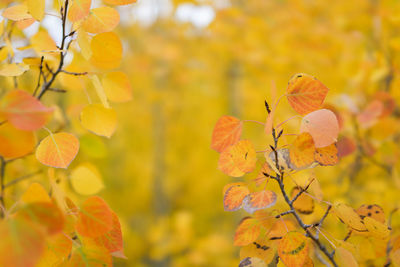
(279, 179)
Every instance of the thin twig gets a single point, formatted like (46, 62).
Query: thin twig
(47, 85)
(74, 73)
(24, 177)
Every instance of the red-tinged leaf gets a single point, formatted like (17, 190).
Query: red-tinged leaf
(22, 243)
(78, 10)
(293, 249)
(234, 196)
(112, 240)
(95, 218)
(346, 146)
(323, 126)
(305, 93)
(227, 131)
(46, 214)
(57, 150)
(244, 155)
(247, 232)
(370, 115)
(389, 103)
(24, 111)
(15, 143)
(259, 200)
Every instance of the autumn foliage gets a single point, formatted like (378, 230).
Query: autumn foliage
(43, 226)
(314, 145)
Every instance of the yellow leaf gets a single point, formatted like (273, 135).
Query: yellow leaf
(344, 258)
(304, 203)
(13, 69)
(117, 86)
(36, 8)
(100, 90)
(84, 44)
(377, 229)
(99, 120)
(106, 50)
(347, 215)
(86, 179)
(35, 193)
(16, 13)
(101, 19)
(252, 262)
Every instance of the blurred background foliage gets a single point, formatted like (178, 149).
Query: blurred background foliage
(190, 62)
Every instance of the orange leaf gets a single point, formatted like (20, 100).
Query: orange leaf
(101, 19)
(323, 126)
(305, 93)
(90, 255)
(293, 249)
(244, 155)
(227, 131)
(15, 143)
(261, 248)
(265, 169)
(57, 150)
(24, 111)
(302, 151)
(304, 203)
(247, 232)
(95, 218)
(227, 165)
(45, 214)
(79, 10)
(234, 196)
(112, 240)
(374, 211)
(59, 247)
(22, 243)
(259, 200)
(280, 228)
(327, 156)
